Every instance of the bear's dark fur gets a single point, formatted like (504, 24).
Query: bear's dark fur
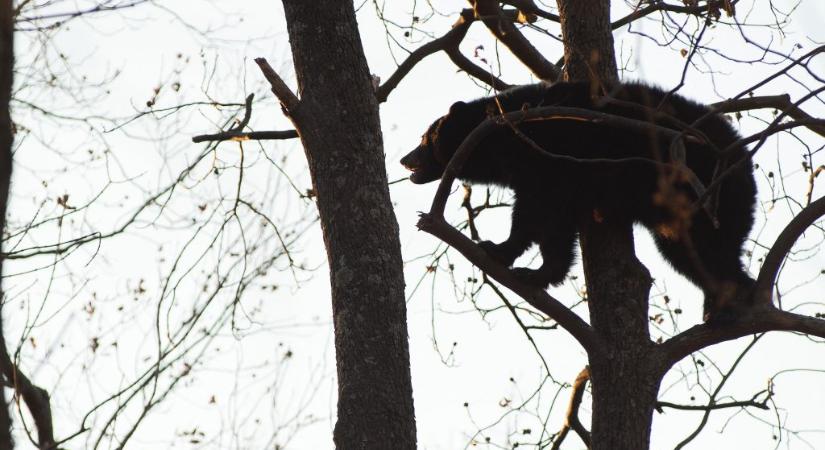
(553, 195)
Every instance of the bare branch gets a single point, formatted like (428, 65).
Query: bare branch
(279, 88)
(436, 225)
(236, 132)
(36, 398)
(740, 404)
(448, 43)
(6, 144)
(530, 7)
(247, 114)
(101, 7)
(761, 137)
(725, 378)
(288, 100)
(571, 420)
(505, 31)
(811, 179)
(781, 102)
(449, 40)
(248, 136)
(696, 10)
(783, 244)
(471, 214)
(475, 71)
(760, 320)
(575, 402)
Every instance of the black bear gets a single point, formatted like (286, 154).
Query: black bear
(554, 192)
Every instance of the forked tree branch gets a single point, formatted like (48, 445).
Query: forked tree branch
(450, 39)
(571, 420)
(289, 103)
(506, 32)
(781, 102)
(236, 133)
(448, 43)
(653, 7)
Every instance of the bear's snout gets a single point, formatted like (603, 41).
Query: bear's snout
(411, 160)
(421, 165)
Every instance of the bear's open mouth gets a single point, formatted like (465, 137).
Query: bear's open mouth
(421, 164)
(413, 164)
(415, 176)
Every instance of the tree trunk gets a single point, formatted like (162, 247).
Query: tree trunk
(337, 120)
(625, 377)
(6, 141)
(588, 40)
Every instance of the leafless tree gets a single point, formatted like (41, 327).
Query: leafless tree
(237, 233)
(626, 366)
(6, 67)
(213, 241)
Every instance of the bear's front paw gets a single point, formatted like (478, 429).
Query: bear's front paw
(496, 251)
(532, 277)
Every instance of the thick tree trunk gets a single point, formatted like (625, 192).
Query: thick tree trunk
(588, 40)
(625, 377)
(338, 123)
(6, 140)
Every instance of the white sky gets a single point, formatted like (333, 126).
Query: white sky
(144, 43)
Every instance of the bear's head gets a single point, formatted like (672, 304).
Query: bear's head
(428, 161)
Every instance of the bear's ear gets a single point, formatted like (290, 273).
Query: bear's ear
(458, 107)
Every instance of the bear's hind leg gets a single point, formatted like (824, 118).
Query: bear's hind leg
(711, 260)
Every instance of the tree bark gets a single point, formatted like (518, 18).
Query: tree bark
(338, 123)
(6, 141)
(625, 377)
(588, 40)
